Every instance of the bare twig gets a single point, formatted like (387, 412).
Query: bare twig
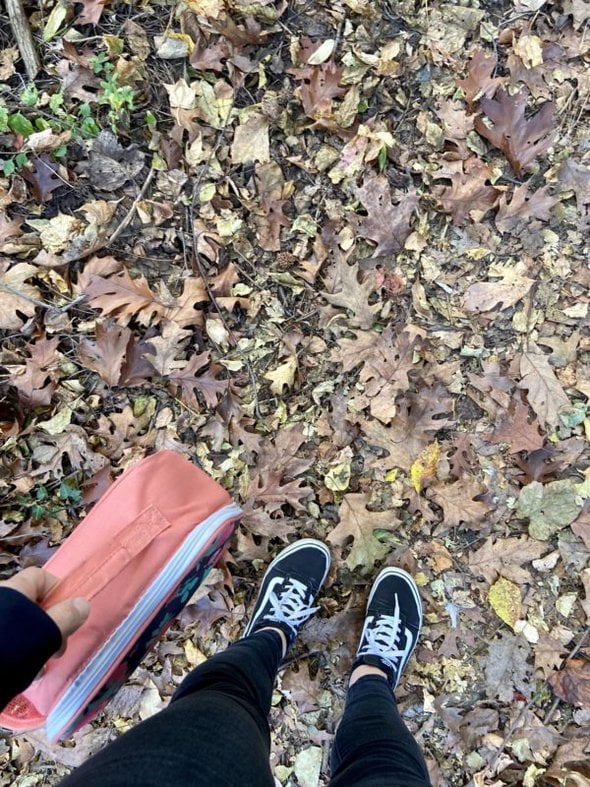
(23, 37)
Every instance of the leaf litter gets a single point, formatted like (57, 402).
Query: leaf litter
(338, 256)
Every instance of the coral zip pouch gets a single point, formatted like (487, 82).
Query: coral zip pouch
(137, 557)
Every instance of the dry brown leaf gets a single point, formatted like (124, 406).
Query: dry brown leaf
(459, 507)
(359, 524)
(572, 683)
(418, 419)
(386, 223)
(354, 296)
(524, 205)
(505, 557)
(575, 176)
(320, 84)
(124, 298)
(188, 382)
(107, 355)
(479, 81)
(15, 306)
(512, 287)
(520, 138)
(514, 428)
(251, 141)
(36, 384)
(544, 391)
(470, 196)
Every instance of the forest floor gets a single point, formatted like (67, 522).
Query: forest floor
(336, 252)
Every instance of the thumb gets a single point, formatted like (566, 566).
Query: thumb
(69, 615)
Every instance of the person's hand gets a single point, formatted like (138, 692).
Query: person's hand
(35, 584)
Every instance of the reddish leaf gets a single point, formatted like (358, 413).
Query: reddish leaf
(43, 178)
(188, 381)
(572, 683)
(523, 205)
(516, 430)
(386, 223)
(319, 86)
(470, 196)
(521, 139)
(107, 355)
(91, 12)
(124, 297)
(479, 81)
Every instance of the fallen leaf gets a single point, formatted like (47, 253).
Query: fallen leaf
(124, 298)
(15, 294)
(283, 375)
(470, 196)
(459, 507)
(251, 141)
(354, 296)
(512, 287)
(424, 467)
(544, 391)
(386, 223)
(516, 430)
(520, 138)
(505, 557)
(548, 507)
(359, 524)
(506, 667)
(524, 205)
(319, 85)
(505, 599)
(107, 355)
(572, 683)
(479, 81)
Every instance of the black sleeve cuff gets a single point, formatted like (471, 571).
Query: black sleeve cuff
(28, 638)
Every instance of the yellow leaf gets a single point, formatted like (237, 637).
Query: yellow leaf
(282, 375)
(338, 477)
(505, 600)
(425, 465)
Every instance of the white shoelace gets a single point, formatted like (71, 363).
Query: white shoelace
(382, 639)
(289, 605)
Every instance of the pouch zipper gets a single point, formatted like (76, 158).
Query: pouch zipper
(90, 678)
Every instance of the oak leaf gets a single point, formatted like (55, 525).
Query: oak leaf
(354, 295)
(207, 383)
(515, 429)
(506, 667)
(458, 504)
(575, 176)
(512, 287)
(470, 196)
(479, 81)
(43, 177)
(359, 524)
(124, 298)
(36, 384)
(505, 557)
(320, 84)
(418, 419)
(107, 355)
(521, 139)
(386, 223)
(544, 391)
(524, 205)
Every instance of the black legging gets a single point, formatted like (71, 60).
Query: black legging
(215, 732)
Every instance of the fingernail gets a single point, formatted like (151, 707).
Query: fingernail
(81, 606)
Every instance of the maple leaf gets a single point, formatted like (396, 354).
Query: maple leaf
(385, 223)
(360, 524)
(544, 391)
(354, 296)
(124, 297)
(521, 139)
(515, 429)
(524, 205)
(469, 196)
(459, 507)
(107, 355)
(479, 81)
(504, 557)
(320, 84)
(418, 418)
(207, 384)
(513, 286)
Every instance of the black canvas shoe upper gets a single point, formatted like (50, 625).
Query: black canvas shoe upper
(289, 587)
(392, 624)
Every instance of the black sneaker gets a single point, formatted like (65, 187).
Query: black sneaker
(392, 624)
(289, 587)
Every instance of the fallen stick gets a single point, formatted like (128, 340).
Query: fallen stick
(23, 37)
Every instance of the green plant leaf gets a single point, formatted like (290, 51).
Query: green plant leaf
(20, 124)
